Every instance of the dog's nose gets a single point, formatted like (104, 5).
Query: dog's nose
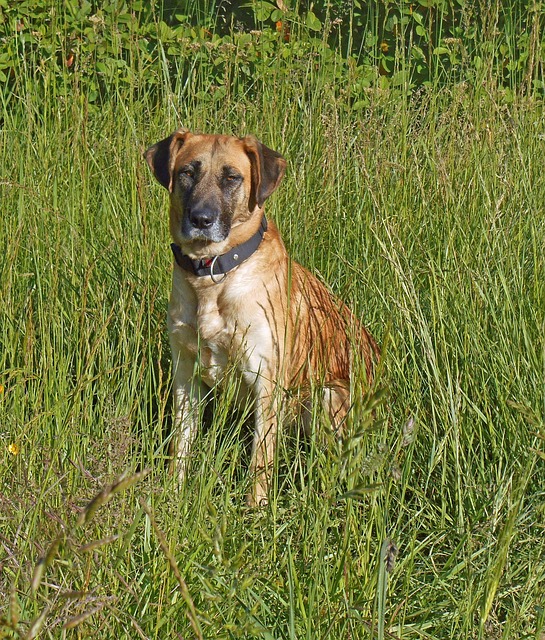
(202, 218)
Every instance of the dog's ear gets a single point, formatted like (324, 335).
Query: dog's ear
(161, 156)
(268, 169)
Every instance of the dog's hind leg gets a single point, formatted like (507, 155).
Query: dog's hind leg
(336, 402)
(334, 398)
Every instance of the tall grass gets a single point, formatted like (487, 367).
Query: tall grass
(425, 213)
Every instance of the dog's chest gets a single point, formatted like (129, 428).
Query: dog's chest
(216, 340)
(220, 332)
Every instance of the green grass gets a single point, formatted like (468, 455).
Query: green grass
(425, 213)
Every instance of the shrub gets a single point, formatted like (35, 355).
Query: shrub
(105, 49)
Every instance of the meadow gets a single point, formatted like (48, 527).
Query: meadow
(423, 208)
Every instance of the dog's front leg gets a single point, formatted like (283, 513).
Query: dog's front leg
(264, 443)
(187, 393)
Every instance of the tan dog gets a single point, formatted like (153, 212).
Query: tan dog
(237, 298)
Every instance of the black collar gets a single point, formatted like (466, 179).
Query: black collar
(220, 265)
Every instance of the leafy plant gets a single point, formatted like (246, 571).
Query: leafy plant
(99, 50)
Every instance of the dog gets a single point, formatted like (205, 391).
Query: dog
(239, 300)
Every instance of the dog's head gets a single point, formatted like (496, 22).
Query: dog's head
(215, 182)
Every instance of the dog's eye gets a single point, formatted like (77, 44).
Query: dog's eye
(231, 178)
(187, 172)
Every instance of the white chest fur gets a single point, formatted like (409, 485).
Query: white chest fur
(221, 330)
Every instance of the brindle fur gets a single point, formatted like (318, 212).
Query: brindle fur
(269, 315)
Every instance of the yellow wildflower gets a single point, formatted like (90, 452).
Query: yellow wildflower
(14, 449)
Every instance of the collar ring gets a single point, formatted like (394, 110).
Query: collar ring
(212, 276)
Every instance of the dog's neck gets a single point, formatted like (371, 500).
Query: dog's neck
(218, 266)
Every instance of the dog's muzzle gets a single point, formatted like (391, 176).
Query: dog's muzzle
(204, 223)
